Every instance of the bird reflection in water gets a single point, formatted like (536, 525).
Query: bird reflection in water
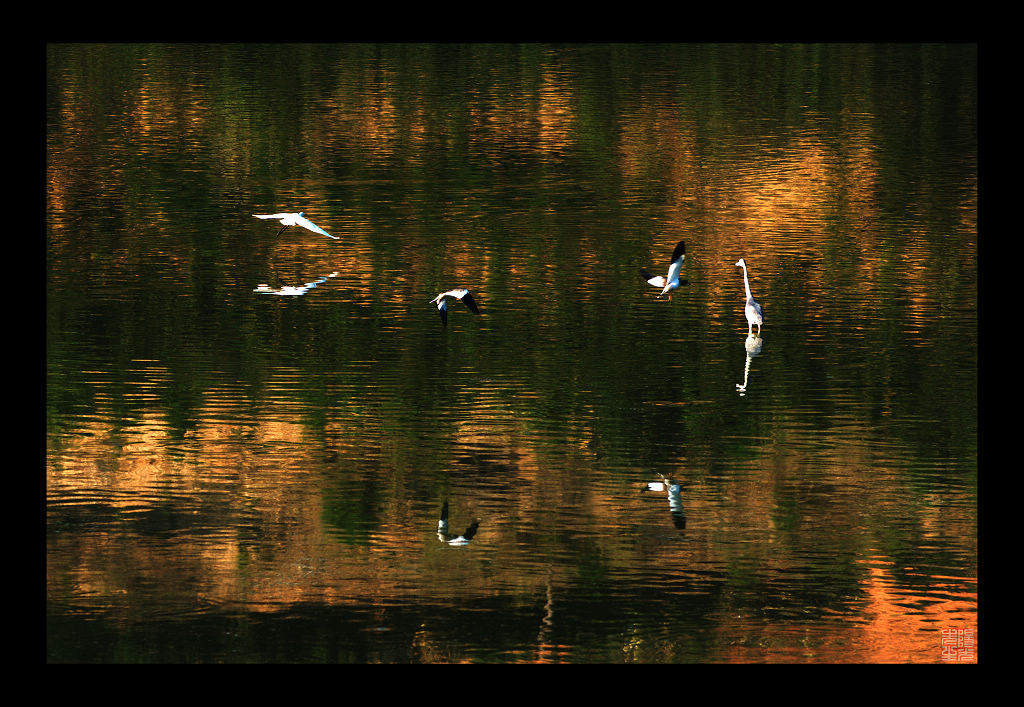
(291, 290)
(675, 501)
(456, 540)
(753, 346)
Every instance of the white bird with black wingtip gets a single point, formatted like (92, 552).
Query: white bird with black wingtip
(675, 265)
(460, 294)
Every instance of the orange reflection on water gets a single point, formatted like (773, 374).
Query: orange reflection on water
(895, 633)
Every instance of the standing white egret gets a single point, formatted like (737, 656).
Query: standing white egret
(675, 265)
(461, 294)
(296, 220)
(755, 315)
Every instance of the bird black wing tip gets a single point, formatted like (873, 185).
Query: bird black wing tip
(470, 302)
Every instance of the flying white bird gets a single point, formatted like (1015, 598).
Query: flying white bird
(296, 220)
(755, 315)
(675, 265)
(442, 303)
(444, 536)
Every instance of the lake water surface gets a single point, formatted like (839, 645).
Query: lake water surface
(237, 473)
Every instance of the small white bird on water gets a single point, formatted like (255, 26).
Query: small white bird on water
(675, 265)
(296, 220)
(755, 315)
(461, 294)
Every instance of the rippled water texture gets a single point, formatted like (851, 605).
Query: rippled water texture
(251, 436)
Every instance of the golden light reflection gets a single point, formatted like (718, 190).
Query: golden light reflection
(895, 635)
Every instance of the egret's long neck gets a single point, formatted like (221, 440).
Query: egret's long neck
(746, 283)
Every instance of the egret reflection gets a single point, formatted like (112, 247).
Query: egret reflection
(292, 290)
(753, 347)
